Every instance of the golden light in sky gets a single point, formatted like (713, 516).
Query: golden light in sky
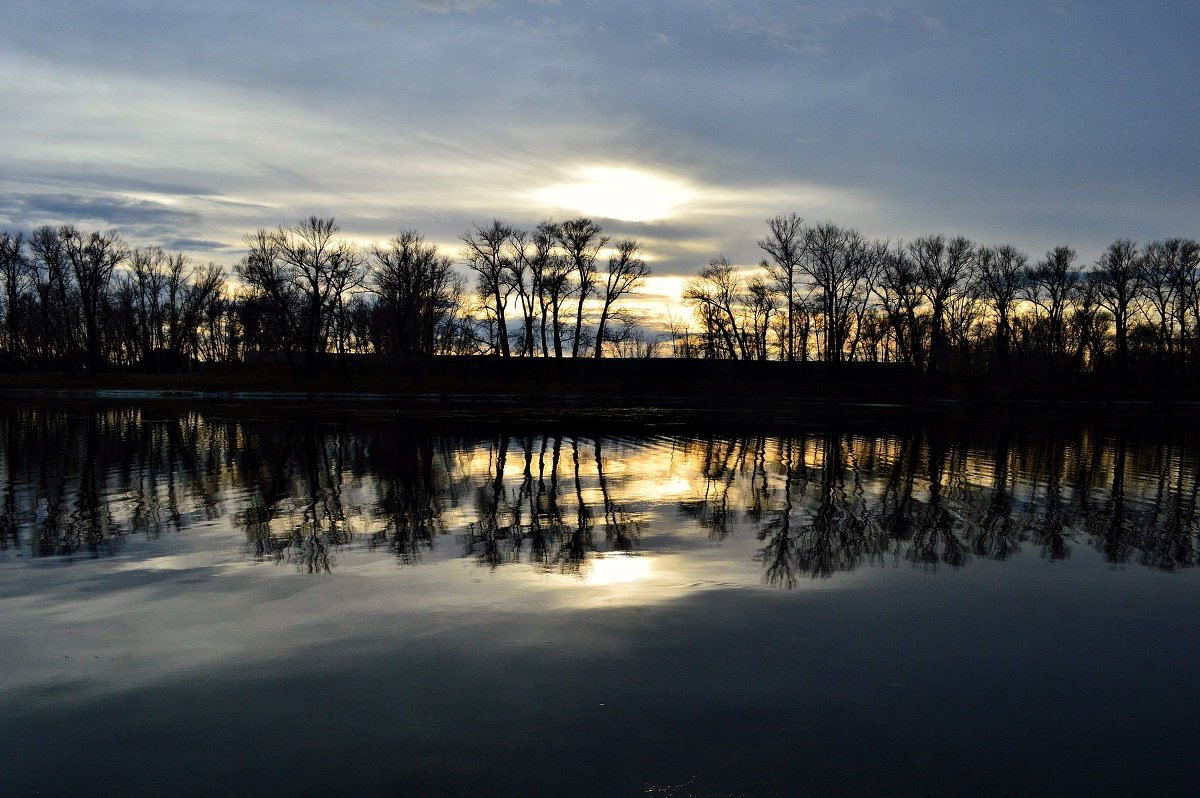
(630, 195)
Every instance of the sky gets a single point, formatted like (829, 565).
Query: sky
(682, 124)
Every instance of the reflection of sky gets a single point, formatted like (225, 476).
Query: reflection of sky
(201, 673)
(193, 666)
(195, 599)
(682, 124)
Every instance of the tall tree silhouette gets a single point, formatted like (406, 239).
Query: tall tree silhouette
(626, 272)
(941, 266)
(416, 288)
(581, 240)
(485, 251)
(786, 244)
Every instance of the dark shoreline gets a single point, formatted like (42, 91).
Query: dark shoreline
(608, 381)
(646, 395)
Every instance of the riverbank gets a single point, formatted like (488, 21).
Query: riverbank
(662, 390)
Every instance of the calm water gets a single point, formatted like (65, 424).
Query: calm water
(247, 602)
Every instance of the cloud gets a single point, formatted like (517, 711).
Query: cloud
(195, 245)
(895, 116)
(103, 211)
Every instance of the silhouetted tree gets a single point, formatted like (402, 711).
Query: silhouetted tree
(303, 273)
(1049, 286)
(999, 277)
(92, 257)
(13, 275)
(898, 287)
(416, 288)
(1118, 280)
(786, 243)
(485, 251)
(550, 276)
(716, 295)
(941, 266)
(842, 265)
(581, 240)
(626, 272)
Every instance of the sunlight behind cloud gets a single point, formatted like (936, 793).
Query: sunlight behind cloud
(630, 195)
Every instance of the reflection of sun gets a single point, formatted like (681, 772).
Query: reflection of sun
(630, 195)
(613, 569)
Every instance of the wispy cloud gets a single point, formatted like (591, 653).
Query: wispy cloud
(199, 122)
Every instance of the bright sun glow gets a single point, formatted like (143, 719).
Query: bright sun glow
(630, 195)
(613, 569)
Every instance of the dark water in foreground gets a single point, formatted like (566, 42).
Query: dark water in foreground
(239, 602)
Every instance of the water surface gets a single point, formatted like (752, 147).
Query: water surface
(251, 602)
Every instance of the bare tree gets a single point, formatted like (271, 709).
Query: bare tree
(626, 272)
(581, 240)
(165, 299)
(898, 288)
(305, 273)
(941, 268)
(141, 298)
(1175, 261)
(56, 297)
(715, 295)
(1087, 323)
(785, 243)
(761, 306)
(271, 299)
(1159, 291)
(548, 279)
(13, 273)
(415, 286)
(191, 291)
(551, 273)
(485, 251)
(1049, 286)
(841, 264)
(1118, 281)
(93, 258)
(999, 275)
(521, 280)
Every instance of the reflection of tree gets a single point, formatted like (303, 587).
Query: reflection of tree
(550, 526)
(1050, 525)
(295, 511)
(410, 502)
(83, 480)
(933, 499)
(574, 547)
(935, 526)
(91, 523)
(531, 519)
(998, 534)
(1168, 541)
(778, 553)
(621, 530)
(720, 465)
(10, 514)
(491, 529)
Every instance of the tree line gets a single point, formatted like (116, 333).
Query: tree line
(949, 305)
(86, 301)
